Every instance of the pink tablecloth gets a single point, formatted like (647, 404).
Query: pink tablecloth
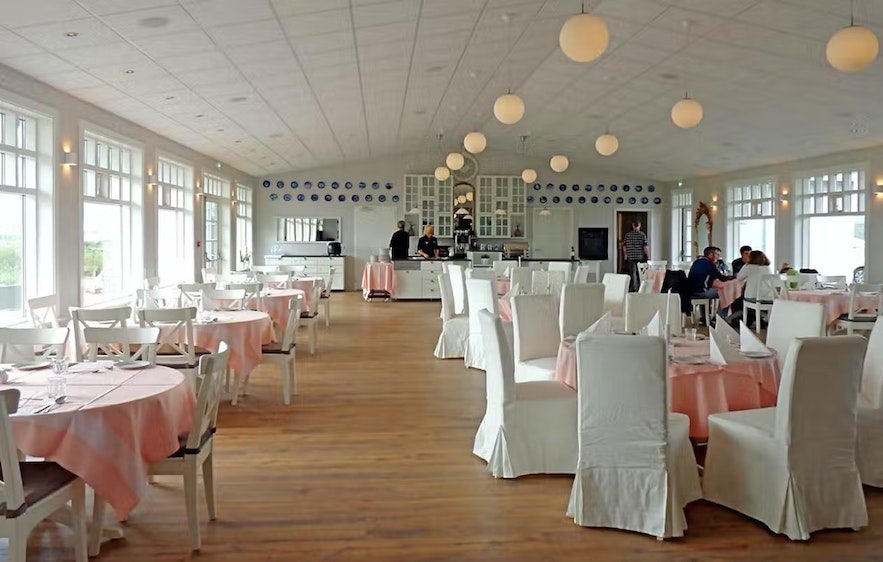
(703, 389)
(504, 307)
(307, 285)
(835, 302)
(379, 276)
(112, 427)
(729, 291)
(275, 303)
(245, 331)
(503, 286)
(656, 277)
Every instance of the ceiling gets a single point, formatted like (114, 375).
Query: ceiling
(270, 86)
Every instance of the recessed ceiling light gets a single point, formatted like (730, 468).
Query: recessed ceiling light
(156, 21)
(436, 68)
(276, 136)
(237, 141)
(238, 99)
(169, 97)
(200, 115)
(71, 34)
(220, 130)
(130, 71)
(668, 76)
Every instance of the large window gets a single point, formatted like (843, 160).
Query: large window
(830, 211)
(217, 218)
(174, 222)
(25, 180)
(681, 226)
(243, 226)
(112, 223)
(752, 217)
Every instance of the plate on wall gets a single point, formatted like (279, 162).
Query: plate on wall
(550, 186)
(613, 187)
(600, 187)
(369, 198)
(321, 185)
(329, 197)
(644, 200)
(530, 199)
(632, 200)
(575, 187)
(658, 200)
(266, 183)
(607, 200)
(280, 184)
(273, 196)
(594, 199)
(348, 185)
(588, 187)
(651, 188)
(341, 197)
(375, 185)
(362, 185)
(556, 200)
(537, 187)
(334, 185)
(308, 184)
(544, 199)
(395, 198)
(568, 199)
(388, 185)
(562, 187)
(294, 185)
(639, 188)
(314, 197)
(287, 197)
(301, 197)
(626, 187)
(355, 198)
(582, 200)
(619, 200)
(382, 198)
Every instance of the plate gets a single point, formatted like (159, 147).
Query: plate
(31, 366)
(757, 354)
(132, 364)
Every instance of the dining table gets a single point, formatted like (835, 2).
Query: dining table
(275, 302)
(697, 387)
(112, 425)
(244, 331)
(729, 291)
(379, 277)
(655, 277)
(835, 301)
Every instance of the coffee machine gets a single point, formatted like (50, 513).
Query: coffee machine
(464, 240)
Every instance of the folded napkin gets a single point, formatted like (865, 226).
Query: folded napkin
(720, 351)
(602, 327)
(748, 341)
(727, 333)
(656, 327)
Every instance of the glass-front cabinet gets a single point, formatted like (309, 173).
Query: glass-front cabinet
(428, 201)
(500, 207)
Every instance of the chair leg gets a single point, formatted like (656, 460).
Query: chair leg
(98, 508)
(313, 336)
(190, 500)
(208, 481)
(18, 543)
(235, 397)
(285, 373)
(327, 311)
(293, 372)
(78, 516)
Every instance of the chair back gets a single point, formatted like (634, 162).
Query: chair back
(210, 377)
(557, 279)
(28, 344)
(581, 305)
(859, 295)
(616, 287)
(447, 296)
(816, 405)
(252, 290)
(260, 269)
(191, 293)
(44, 311)
(458, 288)
(176, 343)
(643, 267)
(327, 279)
(584, 271)
(535, 327)
(498, 362)
(790, 320)
(479, 273)
(501, 268)
(565, 267)
(521, 276)
(82, 318)
(12, 487)
(151, 282)
(224, 279)
(123, 343)
(209, 275)
(482, 295)
(274, 280)
(291, 268)
(872, 373)
(858, 274)
(223, 299)
(832, 281)
(657, 264)
(289, 336)
(539, 282)
(641, 307)
(157, 298)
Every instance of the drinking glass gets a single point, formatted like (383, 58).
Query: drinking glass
(59, 365)
(56, 385)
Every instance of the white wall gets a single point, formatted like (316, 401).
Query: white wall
(70, 115)
(706, 188)
(392, 170)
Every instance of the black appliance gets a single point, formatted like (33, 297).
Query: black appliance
(334, 249)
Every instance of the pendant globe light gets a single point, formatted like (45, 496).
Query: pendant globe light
(442, 173)
(687, 113)
(559, 163)
(475, 142)
(509, 108)
(529, 175)
(853, 48)
(584, 37)
(455, 161)
(607, 144)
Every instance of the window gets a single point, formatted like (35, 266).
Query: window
(830, 212)
(752, 217)
(243, 226)
(681, 226)
(26, 180)
(112, 229)
(217, 221)
(174, 222)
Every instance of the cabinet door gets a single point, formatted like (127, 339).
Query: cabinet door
(501, 207)
(409, 284)
(445, 209)
(430, 285)
(516, 207)
(485, 205)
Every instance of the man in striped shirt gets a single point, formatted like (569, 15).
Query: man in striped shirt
(635, 244)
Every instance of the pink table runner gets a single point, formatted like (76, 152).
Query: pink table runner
(245, 331)
(729, 291)
(379, 276)
(835, 302)
(703, 389)
(112, 427)
(275, 303)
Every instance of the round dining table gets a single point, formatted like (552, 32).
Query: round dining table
(836, 302)
(275, 302)
(245, 331)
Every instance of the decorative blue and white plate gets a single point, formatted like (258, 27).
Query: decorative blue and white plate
(537, 187)
(530, 198)
(381, 198)
(613, 187)
(657, 200)
(301, 197)
(562, 187)
(594, 199)
(334, 185)
(632, 200)
(362, 185)
(644, 200)
(308, 185)
(388, 185)
(639, 188)
(556, 199)
(294, 185)
(600, 187)
(582, 200)
(348, 185)
(280, 184)
(575, 187)
(395, 198)
(544, 199)
(329, 197)
(550, 186)
(607, 200)
(355, 198)
(619, 200)
(369, 198)
(651, 188)
(568, 199)
(273, 197)
(314, 197)
(375, 185)
(588, 187)
(321, 185)
(341, 197)
(287, 197)
(266, 183)
(626, 187)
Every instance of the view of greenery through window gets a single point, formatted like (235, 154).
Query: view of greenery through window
(11, 252)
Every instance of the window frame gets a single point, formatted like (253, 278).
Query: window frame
(681, 234)
(243, 206)
(756, 210)
(184, 213)
(216, 189)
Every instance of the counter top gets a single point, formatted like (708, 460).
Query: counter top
(279, 256)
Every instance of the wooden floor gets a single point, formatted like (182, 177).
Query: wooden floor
(373, 461)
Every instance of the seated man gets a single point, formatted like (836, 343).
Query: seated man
(744, 252)
(703, 273)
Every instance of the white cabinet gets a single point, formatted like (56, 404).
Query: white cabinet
(500, 207)
(315, 266)
(419, 283)
(429, 201)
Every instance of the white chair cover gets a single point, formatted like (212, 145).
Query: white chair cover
(617, 286)
(539, 283)
(790, 320)
(455, 327)
(869, 445)
(793, 467)
(521, 276)
(458, 287)
(636, 468)
(482, 295)
(581, 306)
(536, 337)
(585, 269)
(640, 308)
(480, 273)
(565, 267)
(528, 427)
(501, 268)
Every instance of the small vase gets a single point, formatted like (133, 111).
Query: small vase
(517, 232)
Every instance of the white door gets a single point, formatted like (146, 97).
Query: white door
(373, 227)
(552, 235)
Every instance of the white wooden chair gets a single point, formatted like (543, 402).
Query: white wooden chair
(501, 268)
(191, 293)
(283, 354)
(858, 318)
(760, 292)
(151, 282)
(261, 269)
(582, 273)
(122, 344)
(657, 264)
(43, 311)
(252, 290)
(832, 281)
(274, 280)
(32, 491)
(223, 299)
(643, 267)
(197, 447)
(310, 317)
(31, 344)
(82, 318)
(209, 275)
(176, 347)
(291, 268)
(564, 267)
(157, 298)
(223, 280)
(327, 279)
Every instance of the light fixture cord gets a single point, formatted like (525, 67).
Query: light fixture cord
(851, 13)
(509, 42)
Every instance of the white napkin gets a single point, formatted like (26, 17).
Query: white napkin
(720, 351)
(655, 327)
(602, 327)
(727, 333)
(748, 341)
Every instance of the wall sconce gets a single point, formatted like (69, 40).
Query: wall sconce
(70, 159)
(714, 203)
(785, 197)
(151, 180)
(878, 191)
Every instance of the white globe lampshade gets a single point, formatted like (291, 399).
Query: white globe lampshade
(687, 113)
(559, 163)
(475, 142)
(852, 48)
(509, 109)
(529, 175)
(461, 199)
(469, 196)
(455, 161)
(442, 173)
(606, 144)
(584, 37)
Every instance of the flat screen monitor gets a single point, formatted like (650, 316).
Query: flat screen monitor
(593, 243)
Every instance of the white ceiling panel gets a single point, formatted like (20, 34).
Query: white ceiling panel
(20, 13)
(211, 13)
(152, 22)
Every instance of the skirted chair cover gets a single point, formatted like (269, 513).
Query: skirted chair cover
(581, 306)
(869, 446)
(455, 327)
(521, 276)
(640, 308)
(636, 468)
(458, 288)
(536, 337)
(528, 427)
(616, 287)
(790, 320)
(482, 295)
(793, 467)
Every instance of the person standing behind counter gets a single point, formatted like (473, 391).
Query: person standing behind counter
(427, 246)
(398, 244)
